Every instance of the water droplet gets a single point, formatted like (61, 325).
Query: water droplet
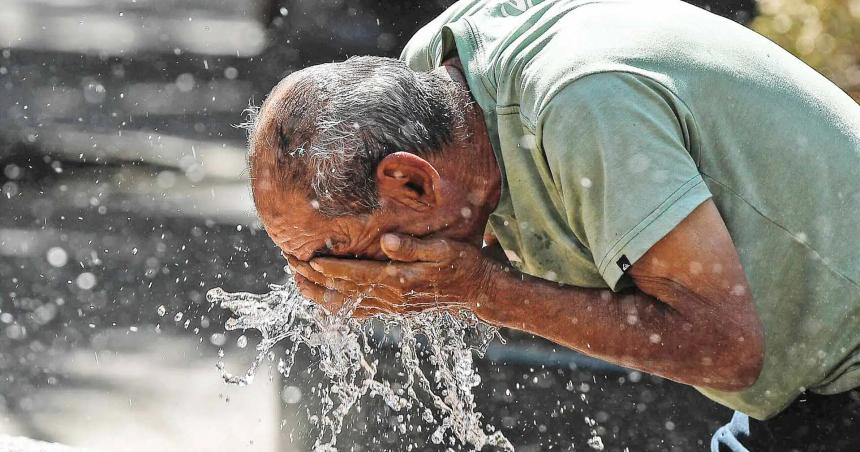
(218, 339)
(291, 394)
(57, 257)
(595, 443)
(86, 280)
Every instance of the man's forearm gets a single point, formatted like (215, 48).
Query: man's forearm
(689, 344)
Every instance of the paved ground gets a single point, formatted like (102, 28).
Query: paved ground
(143, 392)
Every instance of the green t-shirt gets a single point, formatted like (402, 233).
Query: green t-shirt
(613, 119)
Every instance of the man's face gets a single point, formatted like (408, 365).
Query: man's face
(301, 231)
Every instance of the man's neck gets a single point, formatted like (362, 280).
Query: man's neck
(480, 171)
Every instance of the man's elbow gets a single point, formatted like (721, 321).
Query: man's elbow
(740, 358)
(746, 370)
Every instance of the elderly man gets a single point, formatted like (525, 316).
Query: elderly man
(671, 192)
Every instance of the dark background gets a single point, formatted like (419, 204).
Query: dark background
(123, 190)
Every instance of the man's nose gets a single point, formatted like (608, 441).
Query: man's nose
(302, 255)
(290, 258)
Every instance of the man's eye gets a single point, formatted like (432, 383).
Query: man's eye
(329, 249)
(322, 252)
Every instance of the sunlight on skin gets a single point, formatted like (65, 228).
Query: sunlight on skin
(707, 331)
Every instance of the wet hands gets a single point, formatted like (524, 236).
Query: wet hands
(434, 274)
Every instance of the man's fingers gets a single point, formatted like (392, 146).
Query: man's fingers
(331, 300)
(300, 267)
(364, 313)
(404, 248)
(387, 280)
(359, 271)
(345, 279)
(329, 281)
(304, 269)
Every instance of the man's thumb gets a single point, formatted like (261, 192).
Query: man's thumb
(405, 248)
(398, 248)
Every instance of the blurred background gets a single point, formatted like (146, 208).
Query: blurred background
(123, 200)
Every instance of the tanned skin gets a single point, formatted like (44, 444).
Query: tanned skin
(691, 317)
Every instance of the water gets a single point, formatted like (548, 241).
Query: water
(442, 342)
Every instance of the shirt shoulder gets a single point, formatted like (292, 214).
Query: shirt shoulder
(616, 146)
(425, 49)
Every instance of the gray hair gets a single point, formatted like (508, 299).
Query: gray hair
(331, 124)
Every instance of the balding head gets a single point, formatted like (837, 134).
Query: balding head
(323, 130)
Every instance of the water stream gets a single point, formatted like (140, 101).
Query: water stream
(443, 342)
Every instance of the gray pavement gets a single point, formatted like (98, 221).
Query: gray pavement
(144, 391)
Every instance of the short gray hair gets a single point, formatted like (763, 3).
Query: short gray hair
(335, 122)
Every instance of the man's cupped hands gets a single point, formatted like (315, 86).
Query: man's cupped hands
(421, 275)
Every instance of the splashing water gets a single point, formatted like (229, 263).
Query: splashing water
(342, 345)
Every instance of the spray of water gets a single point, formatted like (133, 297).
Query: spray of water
(342, 346)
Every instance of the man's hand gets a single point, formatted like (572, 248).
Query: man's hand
(692, 326)
(422, 275)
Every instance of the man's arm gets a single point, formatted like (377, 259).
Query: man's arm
(691, 319)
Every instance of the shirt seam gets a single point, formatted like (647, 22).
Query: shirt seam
(672, 199)
(821, 258)
(431, 58)
(481, 52)
(513, 109)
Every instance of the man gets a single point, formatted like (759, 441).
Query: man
(675, 193)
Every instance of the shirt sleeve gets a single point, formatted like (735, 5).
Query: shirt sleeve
(617, 145)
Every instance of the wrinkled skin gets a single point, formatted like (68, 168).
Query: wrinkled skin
(432, 198)
(420, 275)
(421, 250)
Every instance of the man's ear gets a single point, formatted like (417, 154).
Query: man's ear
(409, 180)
